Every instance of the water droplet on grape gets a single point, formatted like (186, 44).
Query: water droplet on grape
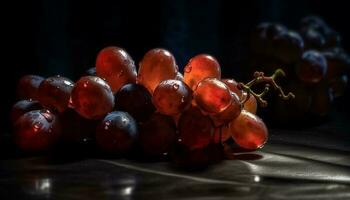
(188, 69)
(121, 73)
(47, 115)
(175, 86)
(85, 84)
(107, 124)
(36, 126)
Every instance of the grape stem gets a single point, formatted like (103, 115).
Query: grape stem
(259, 77)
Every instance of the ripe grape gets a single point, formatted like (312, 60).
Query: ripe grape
(136, 100)
(54, 93)
(156, 66)
(22, 107)
(250, 105)
(288, 46)
(338, 62)
(92, 97)
(230, 113)
(116, 66)
(117, 132)
(249, 131)
(313, 39)
(212, 95)
(200, 67)
(37, 130)
(312, 67)
(262, 37)
(232, 85)
(195, 129)
(27, 87)
(157, 135)
(171, 97)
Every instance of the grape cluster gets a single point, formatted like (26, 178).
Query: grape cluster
(312, 57)
(157, 111)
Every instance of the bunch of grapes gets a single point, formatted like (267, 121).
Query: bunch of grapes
(156, 111)
(312, 57)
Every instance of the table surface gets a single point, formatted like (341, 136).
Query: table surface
(310, 164)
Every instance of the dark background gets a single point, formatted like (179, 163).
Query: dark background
(52, 37)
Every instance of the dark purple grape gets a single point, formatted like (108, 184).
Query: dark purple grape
(27, 87)
(54, 93)
(312, 67)
(288, 46)
(136, 100)
(22, 107)
(37, 130)
(117, 132)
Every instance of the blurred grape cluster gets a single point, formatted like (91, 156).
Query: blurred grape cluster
(316, 65)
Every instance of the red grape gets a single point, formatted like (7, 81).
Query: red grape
(27, 87)
(116, 66)
(156, 66)
(171, 97)
(92, 97)
(200, 67)
(249, 131)
(230, 113)
(54, 93)
(37, 130)
(212, 95)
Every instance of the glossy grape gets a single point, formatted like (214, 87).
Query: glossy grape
(117, 132)
(249, 131)
(312, 67)
(37, 130)
(156, 66)
(171, 97)
(200, 67)
(92, 97)
(54, 93)
(157, 135)
(212, 95)
(136, 100)
(27, 87)
(116, 66)
(288, 46)
(195, 129)
(250, 105)
(230, 113)
(22, 107)
(338, 62)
